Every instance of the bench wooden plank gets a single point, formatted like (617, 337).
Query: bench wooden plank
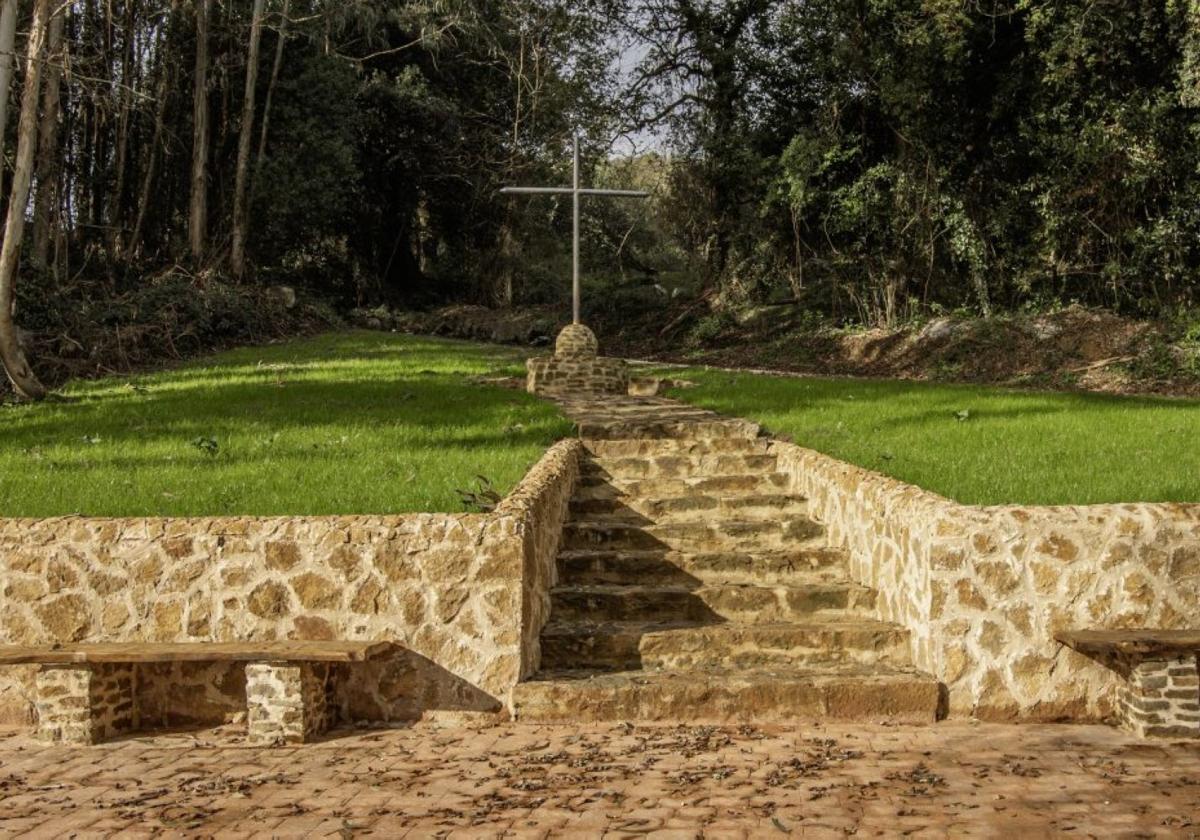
(1134, 642)
(152, 652)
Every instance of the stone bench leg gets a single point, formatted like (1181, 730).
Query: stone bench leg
(84, 704)
(286, 702)
(1162, 697)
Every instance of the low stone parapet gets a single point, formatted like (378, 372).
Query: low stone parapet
(985, 590)
(464, 596)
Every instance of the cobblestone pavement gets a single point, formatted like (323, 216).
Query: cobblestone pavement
(949, 780)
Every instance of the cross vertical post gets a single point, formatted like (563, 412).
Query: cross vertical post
(576, 192)
(575, 290)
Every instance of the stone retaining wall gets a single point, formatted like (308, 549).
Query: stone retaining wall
(464, 594)
(984, 589)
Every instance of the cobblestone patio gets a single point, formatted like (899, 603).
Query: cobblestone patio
(512, 780)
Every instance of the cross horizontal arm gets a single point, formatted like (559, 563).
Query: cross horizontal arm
(569, 191)
(537, 190)
(625, 193)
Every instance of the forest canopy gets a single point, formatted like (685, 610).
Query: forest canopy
(870, 160)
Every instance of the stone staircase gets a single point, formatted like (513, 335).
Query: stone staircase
(694, 587)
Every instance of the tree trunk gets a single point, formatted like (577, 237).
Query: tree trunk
(162, 94)
(266, 117)
(11, 353)
(8, 40)
(198, 217)
(241, 221)
(503, 286)
(125, 96)
(46, 200)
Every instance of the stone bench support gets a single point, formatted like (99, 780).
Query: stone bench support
(1161, 693)
(287, 702)
(85, 704)
(1161, 697)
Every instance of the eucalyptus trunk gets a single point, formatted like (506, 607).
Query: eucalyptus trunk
(11, 353)
(166, 74)
(48, 168)
(241, 222)
(198, 212)
(8, 40)
(276, 67)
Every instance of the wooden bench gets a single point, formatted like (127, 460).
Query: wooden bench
(85, 692)
(1161, 694)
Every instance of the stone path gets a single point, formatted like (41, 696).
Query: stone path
(693, 585)
(521, 780)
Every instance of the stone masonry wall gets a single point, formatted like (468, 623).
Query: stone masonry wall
(554, 376)
(461, 593)
(984, 589)
(539, 507)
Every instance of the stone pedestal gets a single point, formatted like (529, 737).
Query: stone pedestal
(1162, 697)
(84, 704)
(286, 703)
(575, 368)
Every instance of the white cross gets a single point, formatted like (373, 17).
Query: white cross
(575, 192)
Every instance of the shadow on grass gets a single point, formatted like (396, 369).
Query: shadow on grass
(977, 444)
(291, 434)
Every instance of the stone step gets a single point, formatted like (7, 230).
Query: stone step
(629, 646)
(662, 447)
(646, 568)
(679, 425)
(872, 694)
(708, 603)
(682, 466)
(729, 486)
(631, 508)
(692, 535)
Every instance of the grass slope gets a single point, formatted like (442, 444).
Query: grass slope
(355, 422)
(978, 445)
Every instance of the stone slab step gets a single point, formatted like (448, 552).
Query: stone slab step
(600, 486)
(685, 569)
(661, 447)
(630, 646)
(748, 506)
(682, 466)
(703, 535)
(708, 603)
(679, 426)
(842, 693)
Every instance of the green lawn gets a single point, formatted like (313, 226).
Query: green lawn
(356, 422)
(978, 445)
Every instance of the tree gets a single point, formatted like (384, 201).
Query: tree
(696, 76)
(198, 215)
(245, 135)
(166, 72)
(276, 67)
(46, 200)
(8, 41)
(11, 353)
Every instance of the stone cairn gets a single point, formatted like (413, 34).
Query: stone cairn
(576, 368)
